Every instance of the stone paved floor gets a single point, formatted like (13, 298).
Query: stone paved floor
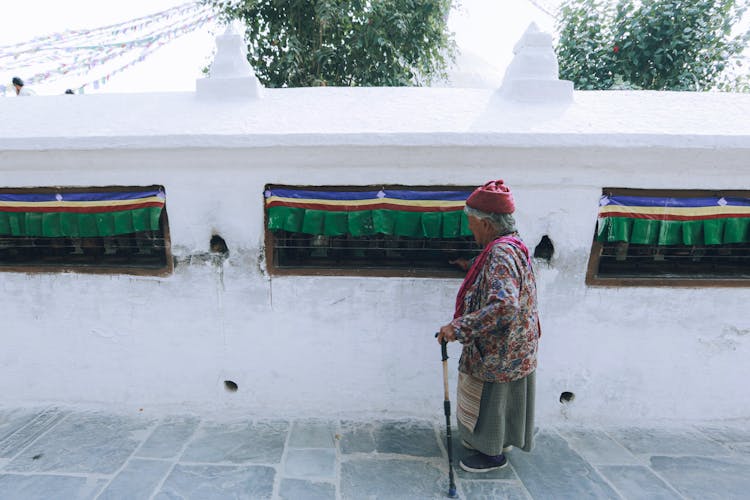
(55, 453)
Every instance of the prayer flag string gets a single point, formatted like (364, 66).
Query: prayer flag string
(82, 52)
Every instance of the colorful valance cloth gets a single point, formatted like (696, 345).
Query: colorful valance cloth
(674, 221)
(76, 215)
(418, 214)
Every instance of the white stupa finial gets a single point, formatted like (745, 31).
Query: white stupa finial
(230, 75)
(533, 74)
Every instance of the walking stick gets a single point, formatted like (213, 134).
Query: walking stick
(447, 407)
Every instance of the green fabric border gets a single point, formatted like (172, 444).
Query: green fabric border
(79, 225)
(369, 222)
(663, 232)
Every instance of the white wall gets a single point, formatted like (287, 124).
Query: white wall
(332, 346)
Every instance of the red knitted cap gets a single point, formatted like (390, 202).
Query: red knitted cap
(492, 198)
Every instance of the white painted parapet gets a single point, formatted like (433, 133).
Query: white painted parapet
(533, 74)
(231, 74)
(347, 346)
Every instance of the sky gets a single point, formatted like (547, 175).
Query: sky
(485, 30)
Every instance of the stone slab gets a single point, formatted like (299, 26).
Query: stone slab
(46, 487)
(139, 479)
(492, 490)
(310, 463)
(597, 447)
(375, 478)
(667, 441)
(168, 438)
(707, 478)
(740, 448)
(13, 419)
(637, 481)
(554, 470)
(313, 434)
(296, 489)
(726, 433)
(217, 482)
(84, 443)
(22, 429)
(407, 438)
(357, 437)
(238, 442)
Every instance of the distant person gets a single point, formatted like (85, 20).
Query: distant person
(21, 89)
(496, 320)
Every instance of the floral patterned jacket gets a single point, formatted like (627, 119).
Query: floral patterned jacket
(500, 325)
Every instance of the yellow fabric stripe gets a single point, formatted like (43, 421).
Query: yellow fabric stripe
(364, 203)
(681, 211)
(106, 203)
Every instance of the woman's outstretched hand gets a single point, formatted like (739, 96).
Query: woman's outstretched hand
(462, 263)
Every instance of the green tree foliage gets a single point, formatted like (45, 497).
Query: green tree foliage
(652, 44)
(303, 43)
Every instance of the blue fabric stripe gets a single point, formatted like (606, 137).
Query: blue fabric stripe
(41, 197)
(371, 195)
(324, 195)
(428, 195)
(642, 201)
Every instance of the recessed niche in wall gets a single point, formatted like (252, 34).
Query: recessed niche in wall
(366, 230)
(648, 237)
(545, 249)
(109, 229)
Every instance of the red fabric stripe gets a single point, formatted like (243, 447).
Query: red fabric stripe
(630, 215)
(83, 210)
(359, 208)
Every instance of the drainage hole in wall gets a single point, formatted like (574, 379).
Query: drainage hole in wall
(230, 386)
(567, 397)
(218, 245)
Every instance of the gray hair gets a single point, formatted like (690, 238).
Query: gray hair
(504, 223)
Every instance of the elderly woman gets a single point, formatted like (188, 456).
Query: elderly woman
(496, 320)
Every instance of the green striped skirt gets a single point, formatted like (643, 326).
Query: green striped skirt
(506, 417)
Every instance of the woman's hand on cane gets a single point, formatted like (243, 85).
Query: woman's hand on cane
(446, 334)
